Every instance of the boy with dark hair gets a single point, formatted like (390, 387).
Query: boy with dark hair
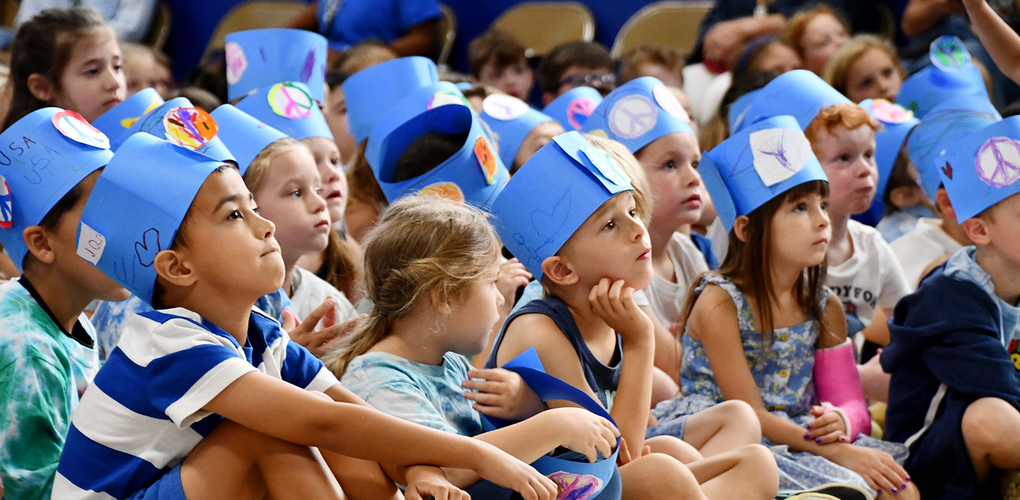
(499, 60)
(576, 64)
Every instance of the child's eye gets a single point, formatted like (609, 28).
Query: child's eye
(236, 214)
(257, 210)
(887, 72)
(633, 213)
(694, 164)
(869, 154)
(318, 190)
(295, 193)
(844, 158)
(669, 165)
(825, 205)
(801, 207)
(609, 226)
(335, 161)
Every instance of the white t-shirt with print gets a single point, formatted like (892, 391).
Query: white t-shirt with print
(309, 291)
(917, 249)
(667, 298)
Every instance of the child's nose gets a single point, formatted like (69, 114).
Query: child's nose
(264, 227)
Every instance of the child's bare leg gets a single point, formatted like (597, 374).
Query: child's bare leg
(989, 429)
(657, 476)
(663, 386)
(723, 427)
(361, 479)
(238, 463)
(746, 472)
(908, 493)
(674, 447)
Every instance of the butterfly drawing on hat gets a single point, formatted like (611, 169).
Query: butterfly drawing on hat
(778, 154)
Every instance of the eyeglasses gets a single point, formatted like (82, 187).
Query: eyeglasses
(601, 80)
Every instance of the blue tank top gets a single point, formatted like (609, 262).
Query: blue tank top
(603, 380)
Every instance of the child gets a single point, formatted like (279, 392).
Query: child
(816, 33)
(522, 131)
(47, 346)
(589, 249)
(954, 397)
(431, 262)
(144, 68)
(498, 59)
(865, 68)
(898, 196)
(576, 64)
(766, 330)
(662, 62)
(334, 110)
(67, 58)
(176, 367)
(766, 53)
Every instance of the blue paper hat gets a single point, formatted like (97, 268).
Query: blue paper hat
(982, 169)
(738, 109)
(798, 93)
(180, 122)
(262, 58)
(572, 108)
(370, 92)
(951, 75)
(136, 207)
(940, 128)
(289, 108)
(551, 195)
(244, 134)
(897, 123)
(44, 155)
(512, 120)
(762, 161)
(473, 174)
(115, 122)
(637, 113)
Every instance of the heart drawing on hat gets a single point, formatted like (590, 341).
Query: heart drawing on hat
(147, 249)
(948, 170)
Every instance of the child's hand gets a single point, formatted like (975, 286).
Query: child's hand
(826, 428)
(512, 274)
(504, 470)
(615, 305)
(426, 481)
(878, 468)
(501, 394)
(625, 457)
(305, 334)
(586, 432)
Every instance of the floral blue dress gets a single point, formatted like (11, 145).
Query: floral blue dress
(784, 377)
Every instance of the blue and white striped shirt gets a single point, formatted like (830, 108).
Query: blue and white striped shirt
(144, 412)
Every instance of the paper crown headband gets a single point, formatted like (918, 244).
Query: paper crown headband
(512, 120)
(572, 108)
(896, 125)
(551, 195)
(737, 112)
(181, 123)
(951, 75)
(244, 134)
(370, 92)
(941, 127)
(578, 479)
(637, 113)
(262, 58)
(753, 166)
(982, 169)
(134, 213)
(44, 155)
(473, 174)
(798, 93)
(289, 108)
(118, 119)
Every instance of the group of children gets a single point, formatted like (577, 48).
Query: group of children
(373, 283)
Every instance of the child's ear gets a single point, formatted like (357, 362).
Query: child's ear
(38, 242)
(440, 303)
(740, 227)
(547, 97)
(944, 205)
(559, 271)
(41, 87)
(977, 230)
(906, 196)
(171, 265)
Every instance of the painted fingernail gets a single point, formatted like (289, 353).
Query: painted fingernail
(808, 426)
(908, 479)
(894, 490)
(879, 491)
(807, 436)
(818, 440)
(904, 486)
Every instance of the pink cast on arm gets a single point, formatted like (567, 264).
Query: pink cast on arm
(838, 383)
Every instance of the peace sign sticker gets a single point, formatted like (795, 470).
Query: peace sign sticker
(189, 127)
(889, 112)
(78, 129)
(779, 154)
(668, 102)
(290, 101)
(632, 117)
(486, 160)
(998, 162)
(504, 107)
(6, 207)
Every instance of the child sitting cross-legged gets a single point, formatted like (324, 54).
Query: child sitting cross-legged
(206, 394)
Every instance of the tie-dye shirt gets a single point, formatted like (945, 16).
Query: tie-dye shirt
(43, 371)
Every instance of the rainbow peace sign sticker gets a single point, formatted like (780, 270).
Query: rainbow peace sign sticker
(889, 112)
(189, 127)
(998, 162)
(290, 101)
(78, 129)
(6, 207)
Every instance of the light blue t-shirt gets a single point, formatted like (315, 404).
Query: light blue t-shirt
(428, 395)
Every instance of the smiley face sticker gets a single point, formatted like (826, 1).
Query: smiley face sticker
(446, 190)
(78, 129)
(189, 127)
(486, 160)
(290, 101)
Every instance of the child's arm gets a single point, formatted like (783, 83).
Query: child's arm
(713, 322)
(837, 383)
(502, 394)
(1002, 43)
(878, 330)
(276, 408)
(920, 15)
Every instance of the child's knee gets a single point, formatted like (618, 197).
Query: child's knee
(740, 415)
(656, 467)
(986, 421)
(760, 459)
(674, 447)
